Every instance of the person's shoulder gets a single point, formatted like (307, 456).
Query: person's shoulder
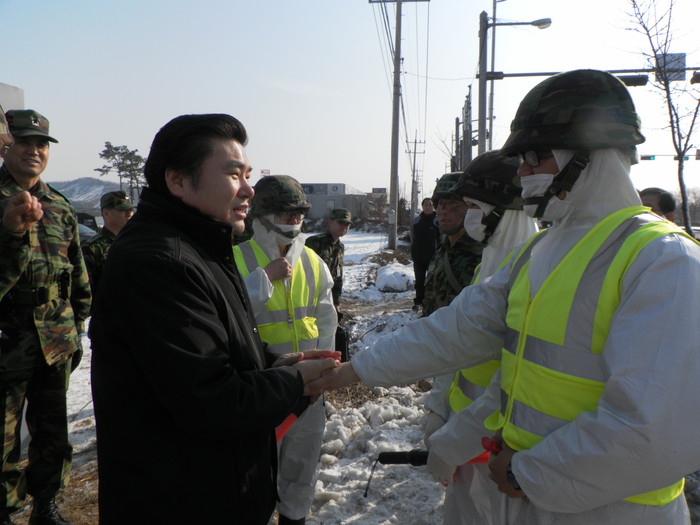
(316, 241)
(466, 243)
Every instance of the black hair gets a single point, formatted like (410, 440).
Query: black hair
(183, 144)
(428, 199)
(667, 203)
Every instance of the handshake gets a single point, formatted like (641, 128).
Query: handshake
(321, 370)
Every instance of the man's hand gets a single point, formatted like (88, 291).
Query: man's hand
(295, 357)
(498, 465)
(441, 472)
(312, 369)
(278, 269)
(332, 379)
(21, 212)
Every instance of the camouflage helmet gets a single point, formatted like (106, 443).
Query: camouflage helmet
(443, 188)
(492, 178)
(277, 193)
(580, 110)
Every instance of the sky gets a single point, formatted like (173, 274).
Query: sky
(311, 79)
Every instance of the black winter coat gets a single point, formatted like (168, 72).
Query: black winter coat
(185, 412)
(425, 235)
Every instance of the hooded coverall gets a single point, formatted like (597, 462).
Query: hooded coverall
(639, 437)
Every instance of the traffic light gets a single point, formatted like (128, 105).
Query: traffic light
(648, 157)
(697, 154)
(686, 157)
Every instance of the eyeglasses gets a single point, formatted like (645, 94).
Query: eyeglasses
(286, 217)
(534, 158)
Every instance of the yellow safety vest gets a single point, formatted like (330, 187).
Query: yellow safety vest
(552, 367)
(470, 383)
(288, 324)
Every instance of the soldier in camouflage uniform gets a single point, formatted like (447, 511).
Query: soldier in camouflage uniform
(45, 299)
(452, 267)
(116, 211)
(331, 250)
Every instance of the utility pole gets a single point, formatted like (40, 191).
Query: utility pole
(465, 156)
(415, 184)
(483, 26)
(396, 106)
(394, 173)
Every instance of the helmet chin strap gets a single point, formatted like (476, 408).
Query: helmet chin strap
(491, 221)
(271, 226)
(564, 181)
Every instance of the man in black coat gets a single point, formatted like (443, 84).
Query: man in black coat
(424, 241)
(185, 405)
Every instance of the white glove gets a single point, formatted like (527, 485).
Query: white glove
(441, 471)
(433, 423)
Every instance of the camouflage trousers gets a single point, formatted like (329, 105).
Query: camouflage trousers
(25, 378)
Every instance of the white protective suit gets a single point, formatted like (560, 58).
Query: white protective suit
(643, 435)
(472, 498)
(300, 448)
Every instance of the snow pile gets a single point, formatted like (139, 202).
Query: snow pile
(395, 277)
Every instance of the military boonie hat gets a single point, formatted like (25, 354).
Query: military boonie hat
(116, 200)
(341, 215)
(27, 123)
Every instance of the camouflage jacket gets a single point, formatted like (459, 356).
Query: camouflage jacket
(43, 282)
(443, 284)
(95, 253)
(332, 254)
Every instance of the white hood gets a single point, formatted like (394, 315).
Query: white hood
(602, 188)
(268, 242)
(514, 228)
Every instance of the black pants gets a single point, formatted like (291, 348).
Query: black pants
(420, 268)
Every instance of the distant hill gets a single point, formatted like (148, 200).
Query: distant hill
(85, 193)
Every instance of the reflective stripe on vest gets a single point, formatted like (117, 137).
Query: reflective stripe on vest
(552, 366)
(470, 383)
(288, 323)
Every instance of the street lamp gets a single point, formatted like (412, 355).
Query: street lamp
(484, 25)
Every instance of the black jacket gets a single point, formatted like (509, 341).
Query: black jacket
(425, 235)
(185, 412)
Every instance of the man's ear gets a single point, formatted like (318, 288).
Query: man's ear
(175, 181)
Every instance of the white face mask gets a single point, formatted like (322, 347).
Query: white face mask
(283, 240)
(535, 186)
(473, 226)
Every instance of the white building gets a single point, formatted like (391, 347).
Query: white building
(11, 97)
(326, 196)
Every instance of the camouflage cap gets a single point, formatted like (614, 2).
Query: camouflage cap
(580, 110)
(276, 193)
(341, 215)
(492, 178)
(116, 200)
(443, 188)
(27, 122)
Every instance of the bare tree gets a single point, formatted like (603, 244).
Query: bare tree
(653, 20)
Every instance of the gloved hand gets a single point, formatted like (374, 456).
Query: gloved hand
(441, 471)
(433, 423)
